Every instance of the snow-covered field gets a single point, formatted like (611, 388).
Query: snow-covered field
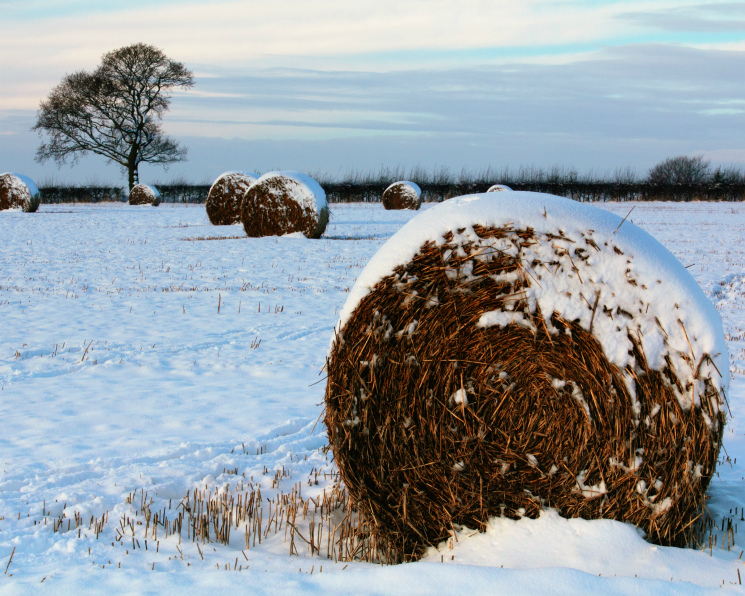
(145, 354)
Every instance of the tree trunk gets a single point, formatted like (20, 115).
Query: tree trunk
(134, 177)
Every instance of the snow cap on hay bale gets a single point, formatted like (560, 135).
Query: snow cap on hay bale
(142, 194)
(402, 195)
(18, 192)
(226, 195)
(498, 188)
(281, 203)
(506, 352)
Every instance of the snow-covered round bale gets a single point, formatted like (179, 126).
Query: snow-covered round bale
(142, 194)
(18, 192)
(402, 195)
(281, 203)
(506, 352)
(498, 188)
(226, 195)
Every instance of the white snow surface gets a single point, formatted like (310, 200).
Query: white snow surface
(118, 374)
(308, 192)
(672, 315)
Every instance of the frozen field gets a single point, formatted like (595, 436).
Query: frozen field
(145, 354)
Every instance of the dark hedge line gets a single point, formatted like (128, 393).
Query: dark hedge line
(81, 194)
(431, 192)
(579, 191)
(169, 193)
(183, 193)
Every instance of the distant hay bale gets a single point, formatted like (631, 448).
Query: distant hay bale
(503, 353)
(402, 195)
(498, 188)
(142, 194)
(226, 195)
(18, 192)
(281, 203)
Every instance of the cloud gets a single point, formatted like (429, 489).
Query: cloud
(631, 92)
(329, 34)
(713, 17)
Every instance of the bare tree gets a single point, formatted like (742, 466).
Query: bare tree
(115, 111)
(680, 170)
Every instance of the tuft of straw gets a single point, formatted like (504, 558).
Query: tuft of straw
(18, 192)
(226, 196)
(402, 195)
(437, 421)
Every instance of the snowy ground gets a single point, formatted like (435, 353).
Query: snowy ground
(145, 353)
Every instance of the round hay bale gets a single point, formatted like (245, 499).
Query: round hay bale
(503, 353)
(498, 188)
(18, 192)
(402, 195)
(142, 194)
(226, 195)
(281, 203)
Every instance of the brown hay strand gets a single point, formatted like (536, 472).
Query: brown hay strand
(142, 194)
(271, 208)
(225, 197)
(548, 422)
(402, 195)
(15, 194)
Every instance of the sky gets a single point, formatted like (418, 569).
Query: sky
(335, 86)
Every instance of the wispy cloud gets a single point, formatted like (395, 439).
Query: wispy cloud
(717, 17)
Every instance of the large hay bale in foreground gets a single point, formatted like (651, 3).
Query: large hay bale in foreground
(18, 192)
(226, 195)
(402, 195)
(281, 203)
(498, 188)
(506, 352)
(142, 194)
